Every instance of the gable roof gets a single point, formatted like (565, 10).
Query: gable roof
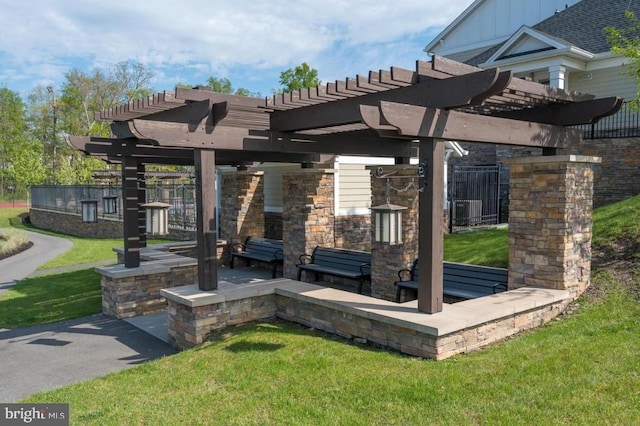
(580, 26)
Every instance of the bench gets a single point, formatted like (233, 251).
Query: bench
(352, 264)
(260, 249)
(459, 280)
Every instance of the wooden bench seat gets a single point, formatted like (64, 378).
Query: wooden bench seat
(259, 249)
(459, 280)
(351, 264)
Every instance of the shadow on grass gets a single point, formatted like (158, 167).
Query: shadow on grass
(51, 298)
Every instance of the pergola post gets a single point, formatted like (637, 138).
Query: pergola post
(204, 161)
(430, 234)
(142, 199)
(130, 213)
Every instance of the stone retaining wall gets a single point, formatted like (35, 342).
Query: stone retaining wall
(71, 224)
(195, 317)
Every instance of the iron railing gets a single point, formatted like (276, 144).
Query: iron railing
(623, 124)
(474, 197)
(67, 198)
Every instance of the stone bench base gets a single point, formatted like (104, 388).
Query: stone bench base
(195, 316)
(129, 292)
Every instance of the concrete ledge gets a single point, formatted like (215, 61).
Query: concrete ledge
(119, 271)
(553, 159)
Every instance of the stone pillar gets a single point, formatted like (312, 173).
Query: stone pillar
(550, 224)
(308, 214)
(241, 205)
(387, 260)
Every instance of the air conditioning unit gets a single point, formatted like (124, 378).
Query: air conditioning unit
(467, 212)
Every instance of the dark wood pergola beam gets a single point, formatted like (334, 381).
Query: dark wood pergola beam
(453, 92)
(571, 114)
(421, 122)
(178, 135)
(113, 149)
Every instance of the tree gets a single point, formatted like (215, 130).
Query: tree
(13, 134)
(626, 42)
(298, 78)
(222, 85)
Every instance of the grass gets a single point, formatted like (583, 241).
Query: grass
(489, 247)
(85, 250)
(581, 370)
(50, 298)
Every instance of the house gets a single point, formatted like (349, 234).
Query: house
(561, 44)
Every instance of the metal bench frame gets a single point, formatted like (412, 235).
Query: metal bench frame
(351, 264)
(259, 249)
(459, 280)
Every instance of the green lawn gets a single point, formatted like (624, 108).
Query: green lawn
(50, 298)
(580, 369)
(583, 369)
(85, 250)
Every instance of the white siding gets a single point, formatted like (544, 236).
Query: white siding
(493, 21)
(604, 82)
(354, 189)
(273, 183)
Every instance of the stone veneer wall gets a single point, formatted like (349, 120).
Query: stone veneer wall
(387, 260)
(273, 225)
(71, 224)
(242, 206)
(308, 216)
(192, 326)
(194, 320)
(129, 292)
(550, 224)
(353, 232)
(617, 177)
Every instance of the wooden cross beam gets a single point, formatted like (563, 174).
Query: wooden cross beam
(464, 90)
(421, 122)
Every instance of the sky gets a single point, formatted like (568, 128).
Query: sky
(187, 41)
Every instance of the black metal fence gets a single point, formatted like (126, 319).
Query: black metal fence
(67, 198)
(623, 124)
(474, 197)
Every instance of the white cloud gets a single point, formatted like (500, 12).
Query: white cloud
(199, 38)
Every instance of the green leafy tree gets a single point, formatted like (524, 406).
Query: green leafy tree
(298, 78)
(626, 42)
(13, 135)
(222, 85)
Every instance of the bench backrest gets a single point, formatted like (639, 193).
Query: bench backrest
(350, 260)
(267, 246)
(469, 277)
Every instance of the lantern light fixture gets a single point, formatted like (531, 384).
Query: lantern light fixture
(89, 210)
(157, 214)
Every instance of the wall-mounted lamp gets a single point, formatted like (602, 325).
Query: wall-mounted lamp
(89, 210)
(388, 224)
(157, 218)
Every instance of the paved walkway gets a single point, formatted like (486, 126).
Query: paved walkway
(49, 356)
(20, 266)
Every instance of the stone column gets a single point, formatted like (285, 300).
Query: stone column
(241, 205)
(387, 260)
(550, 224)
(308, 214)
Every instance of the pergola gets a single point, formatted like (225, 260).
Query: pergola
(385, 113)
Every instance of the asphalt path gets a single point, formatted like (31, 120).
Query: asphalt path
(49, 356)
(21, 265)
